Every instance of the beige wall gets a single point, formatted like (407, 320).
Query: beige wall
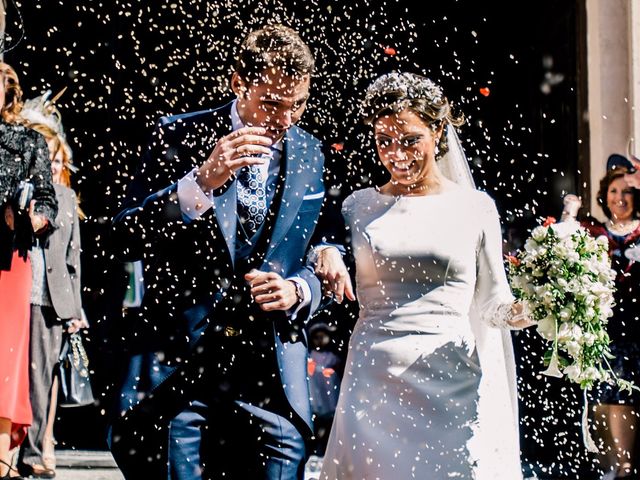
(613, 59)
(634, 26)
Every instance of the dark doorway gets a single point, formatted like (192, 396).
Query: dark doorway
(513, 68)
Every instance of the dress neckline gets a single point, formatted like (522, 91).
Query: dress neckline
(398, 197)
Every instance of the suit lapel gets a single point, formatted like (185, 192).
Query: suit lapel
(225, 204)
(295, 185)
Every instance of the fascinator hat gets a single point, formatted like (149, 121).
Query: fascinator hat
(42, 110)
(616, 160)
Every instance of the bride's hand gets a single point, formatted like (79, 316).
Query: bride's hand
(334, 274)
(520, 316)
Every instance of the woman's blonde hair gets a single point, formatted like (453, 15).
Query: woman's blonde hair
(12, 93)
(59, 145)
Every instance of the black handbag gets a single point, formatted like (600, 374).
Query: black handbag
(75, 382)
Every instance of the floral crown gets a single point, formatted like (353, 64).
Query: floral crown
(399, 88)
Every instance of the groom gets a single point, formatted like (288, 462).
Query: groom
(221, 211)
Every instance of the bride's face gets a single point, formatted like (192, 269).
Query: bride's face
(406, 147)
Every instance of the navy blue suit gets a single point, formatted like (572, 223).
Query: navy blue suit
(176, 350)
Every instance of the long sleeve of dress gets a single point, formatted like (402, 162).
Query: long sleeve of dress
(24, 156)
(40, 174)
(73, 258)
(493, 295)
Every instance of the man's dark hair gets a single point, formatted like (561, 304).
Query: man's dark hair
(274, 46)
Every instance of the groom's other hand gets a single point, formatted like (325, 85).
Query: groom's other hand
(271, 291)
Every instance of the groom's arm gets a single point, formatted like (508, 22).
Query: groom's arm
(330, 239)
(151, 202)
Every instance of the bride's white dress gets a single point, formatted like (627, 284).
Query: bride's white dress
(428, 390)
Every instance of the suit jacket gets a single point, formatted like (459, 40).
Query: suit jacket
(62, 257)
(189, 266)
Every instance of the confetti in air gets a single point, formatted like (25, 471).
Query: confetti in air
(126, 63)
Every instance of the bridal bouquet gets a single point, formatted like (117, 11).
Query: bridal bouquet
(564, 277)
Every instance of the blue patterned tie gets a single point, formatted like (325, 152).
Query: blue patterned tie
(252, 197)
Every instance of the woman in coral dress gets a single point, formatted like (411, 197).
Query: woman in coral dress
(23, 156)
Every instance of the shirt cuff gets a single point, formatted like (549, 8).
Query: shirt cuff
(312, 256)
(193, 201)
(306, 296)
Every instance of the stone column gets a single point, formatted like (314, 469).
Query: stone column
(612, 104)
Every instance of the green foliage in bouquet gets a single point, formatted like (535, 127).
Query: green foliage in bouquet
(564, 277)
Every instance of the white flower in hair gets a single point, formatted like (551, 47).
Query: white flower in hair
(407, 86)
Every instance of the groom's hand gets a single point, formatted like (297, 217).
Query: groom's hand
(245, 146)
(271, 291)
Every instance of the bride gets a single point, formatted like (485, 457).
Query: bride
(429, 388)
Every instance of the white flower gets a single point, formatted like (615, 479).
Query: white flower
(588, 339)
(590, 313)
(559, 249)
(547, 328)
(573, 348)
(539, 233)
(553, 370)
(531, 246)
(590, 299)
(565, 229)
(565, 314)
(568, 331)
(591, 373)
(573, 372)
(606, 312)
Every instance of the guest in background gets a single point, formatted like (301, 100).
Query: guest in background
(23, 156)
(55, 295)
(325, 372)
(616, 411)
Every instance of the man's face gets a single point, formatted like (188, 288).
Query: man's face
(276, 102)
